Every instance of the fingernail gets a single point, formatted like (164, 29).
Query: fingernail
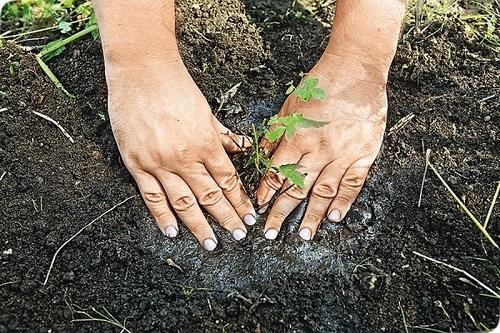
(305, 234)
(239, 234)
(263, 209)
(334, 215)
(249, 219)
(271, 234)
(170, 231)
(209, 244)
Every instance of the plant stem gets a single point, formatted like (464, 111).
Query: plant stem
(493, 201)
(67, 40)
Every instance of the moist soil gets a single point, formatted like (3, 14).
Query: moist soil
(358, 276)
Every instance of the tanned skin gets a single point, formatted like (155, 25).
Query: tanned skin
(176, 150)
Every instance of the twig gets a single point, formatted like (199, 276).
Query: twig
(105, 318)
(462, 205)
(401, 124)
(66, 134)
(3, 109)
(460, 271)
(79, 232)
(427, 155)
(404, 318)
(3, 175)
(493, 201)
(7, 283)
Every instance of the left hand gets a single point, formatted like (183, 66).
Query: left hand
(336, 157)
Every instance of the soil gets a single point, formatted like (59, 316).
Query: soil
(358, 276)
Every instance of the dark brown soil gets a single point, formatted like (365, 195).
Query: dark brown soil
(355, 277)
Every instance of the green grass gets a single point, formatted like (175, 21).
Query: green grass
(479, 20)
(45, 13)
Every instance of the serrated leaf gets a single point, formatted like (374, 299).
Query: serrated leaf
(308, 90)
(275, 134)
(319, 95)
(310, 123)
(64, 26)
(291, 173)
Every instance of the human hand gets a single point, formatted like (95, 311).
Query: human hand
(336, 157)
(174, 148)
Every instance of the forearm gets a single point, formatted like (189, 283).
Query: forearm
(367, 31)
(138, 31)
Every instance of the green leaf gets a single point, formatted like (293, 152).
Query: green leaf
(291, 173)
(310, 123)
(308, 90)
(288, 125)
(64, 26)
(319, 95)
(275, 134)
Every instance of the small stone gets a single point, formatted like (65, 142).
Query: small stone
(7, 252)
(487, 118)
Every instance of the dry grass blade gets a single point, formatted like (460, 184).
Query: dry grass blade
(460, 203)
(66, 134)
(79, 232)
(490, 210)
(460, 271)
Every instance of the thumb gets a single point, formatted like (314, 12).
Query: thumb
(232, 143)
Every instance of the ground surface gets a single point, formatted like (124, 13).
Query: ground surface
(355, 277)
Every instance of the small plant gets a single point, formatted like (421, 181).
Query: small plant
(287, 126)
(308, 90)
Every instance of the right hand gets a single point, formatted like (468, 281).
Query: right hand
(176, 149)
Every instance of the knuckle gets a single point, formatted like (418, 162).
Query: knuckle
(183, 203)
(324, 143)
(225, 221)
(277, 215)
(312, 218)
(325, 191)
(273, 180)
(211, 197)
(296, 192)
(229, 183)
(200, 230)
(154, 198)
(353, 181)
(299, 140)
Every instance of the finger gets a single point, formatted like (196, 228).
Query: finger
(273, 181)
(322, 194)
(211, 197)
(232, 142)
(223, 172)
(349, 188)
(291, 198)
(184, 203)
(157, 203)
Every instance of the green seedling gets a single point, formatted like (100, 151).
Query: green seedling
(308, 90)
(288, 126)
